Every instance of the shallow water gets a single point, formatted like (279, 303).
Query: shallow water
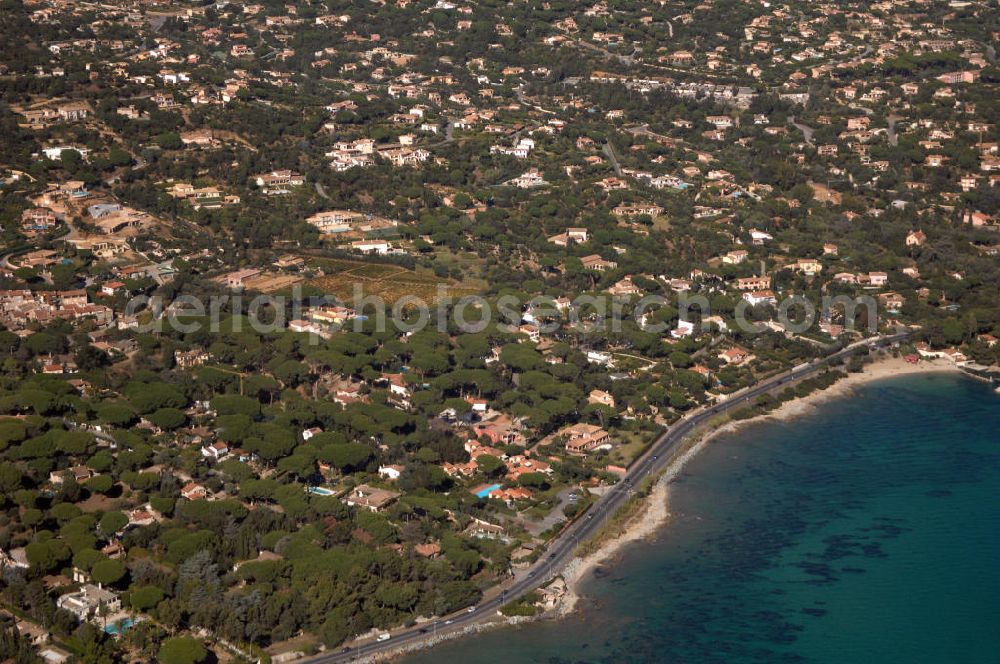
(867, 531)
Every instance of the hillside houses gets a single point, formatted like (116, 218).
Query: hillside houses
(370, 498)
(116, 219)
(570, 236)
(596, 262)
(202, 197)
(520, 150)
(18, 309)
(636, 210)
(279, 182)
(90, 602)
(528, 180)
(363, 152)
(348, 222)
(659, 192)
(581, 439)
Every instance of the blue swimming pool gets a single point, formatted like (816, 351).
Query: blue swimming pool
(483, 493)
(320, 491)
(119, 627)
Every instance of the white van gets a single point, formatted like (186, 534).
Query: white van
(384, 637)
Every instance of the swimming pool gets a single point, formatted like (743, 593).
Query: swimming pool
(119, 627)
(483, 493)
(320, 491)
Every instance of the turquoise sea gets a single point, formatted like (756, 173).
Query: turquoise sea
(865, 532)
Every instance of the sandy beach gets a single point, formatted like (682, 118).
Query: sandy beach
(656, 511)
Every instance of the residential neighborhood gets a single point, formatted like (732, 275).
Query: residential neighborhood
(321, 319)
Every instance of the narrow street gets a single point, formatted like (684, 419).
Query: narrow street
(609, 152)
(891, 131)
(806, 130)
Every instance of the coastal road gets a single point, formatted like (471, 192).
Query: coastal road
(563, 548)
